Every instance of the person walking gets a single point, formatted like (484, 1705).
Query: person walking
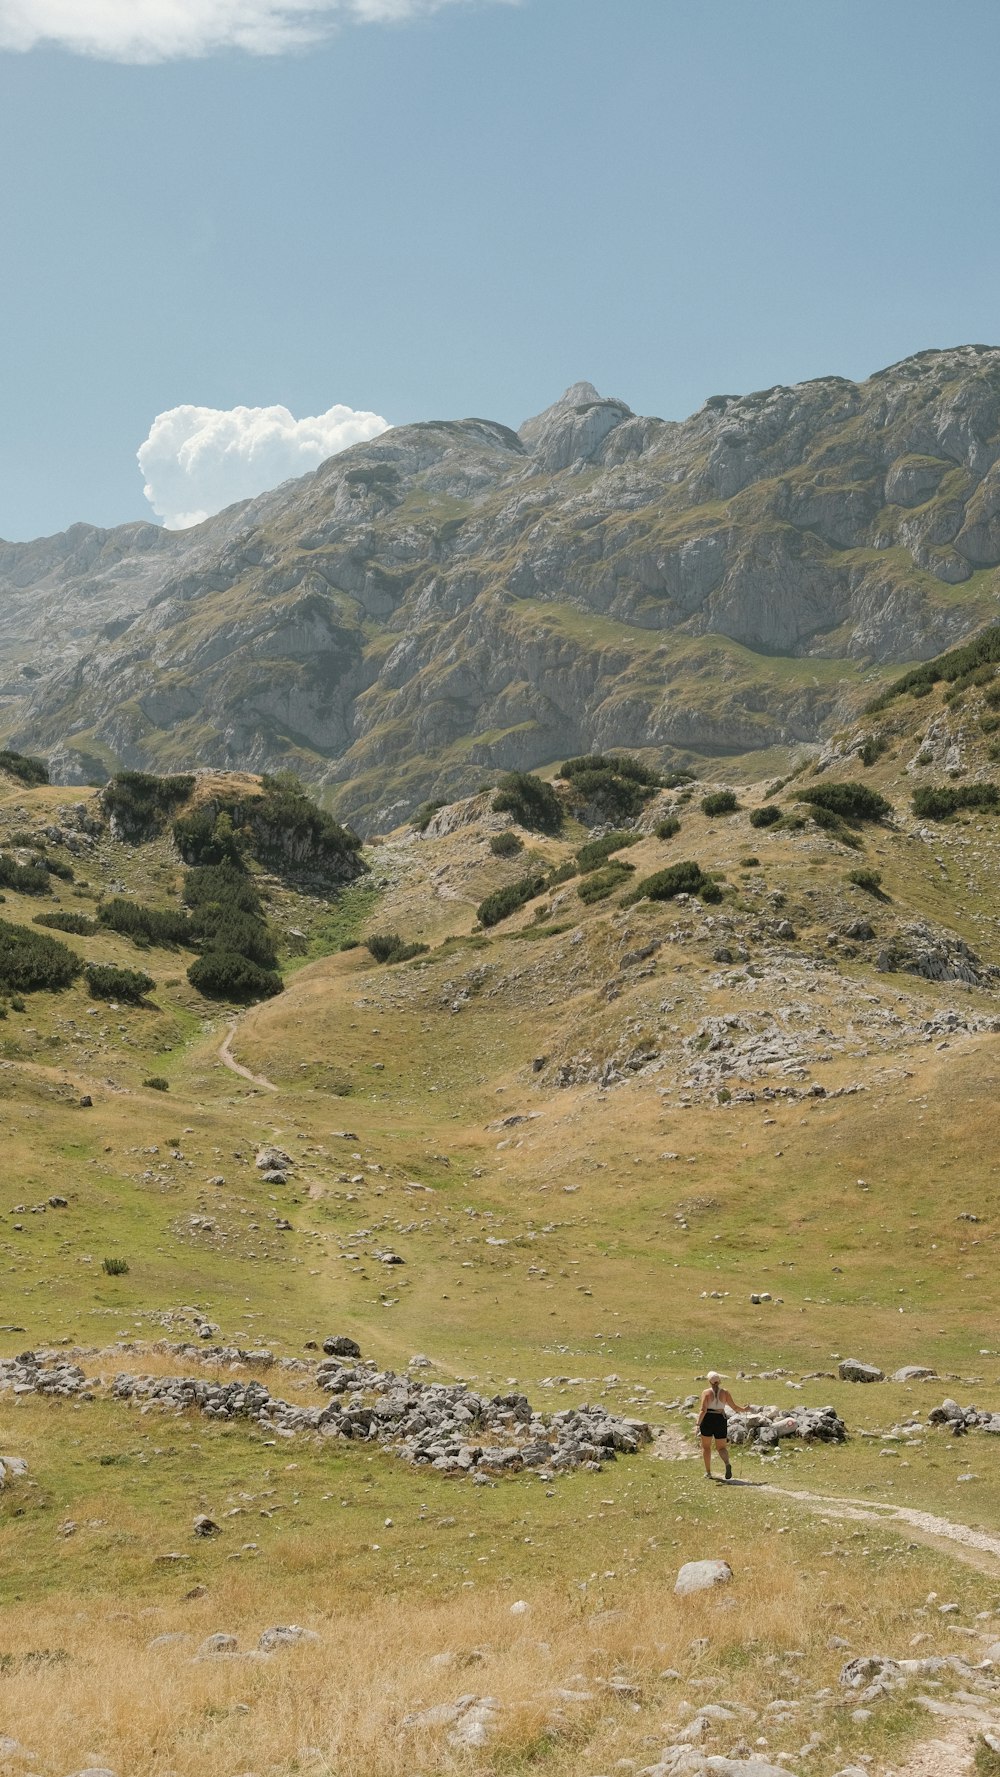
(712, 1422)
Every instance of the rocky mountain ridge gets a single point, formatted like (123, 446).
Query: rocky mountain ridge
(455, 598)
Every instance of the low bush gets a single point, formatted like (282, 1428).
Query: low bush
(532, 802)
(24, 767)
(139, 803)
(30, 960)
(76, 923)
(224, 975)
(26, 879)
(145, 925)
(425, 814)
(592, 855)
(506, 845)
(720, 802)
(685, 878)
(958, 663)
(666, 828)
(615, 783)
(869, 880)
(931, 804)
(157, 1083)
(599, 884)
(710, 891)
(766, 816)
(563, 872)
(207, 838)
(107, 982)
(850, 801)
(750, 863)
(505, 901)
(389, 947)
(115, 1267)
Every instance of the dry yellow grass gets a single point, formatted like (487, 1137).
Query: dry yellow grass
(85, 1685)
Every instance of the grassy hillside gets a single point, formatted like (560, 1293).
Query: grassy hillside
(591, 1132)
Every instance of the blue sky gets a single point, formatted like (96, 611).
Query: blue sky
(464, 211)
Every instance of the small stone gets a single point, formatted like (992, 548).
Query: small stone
(205, 1526)
(217, 1644)
(285, 1635)
(851, 1369)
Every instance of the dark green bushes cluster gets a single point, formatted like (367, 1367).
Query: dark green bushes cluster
(106, 982)
(505, 901)
(30, 960)
(592, 855)
(765, 816)
(145, 925)
(666, 828)
(282, 827)
(959, 664)
(26, 769)
(849, 801)
(27, 879)
(615, 783)
(157, 1083)
(227, 922)
(530, 800)
(869, 880)
(930, 804)
(599, 884)
(389, 947)
(76, 923)
(140, 803)
(720, 802)
(506, 845)
(225, 975)
(686, 878)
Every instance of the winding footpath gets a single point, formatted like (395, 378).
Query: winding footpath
(229, 1060)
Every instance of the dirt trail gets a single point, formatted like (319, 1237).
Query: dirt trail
(229, 1060)
(977, 1548)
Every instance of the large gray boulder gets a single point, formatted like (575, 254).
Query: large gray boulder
(701, 1576)
(851, 1369)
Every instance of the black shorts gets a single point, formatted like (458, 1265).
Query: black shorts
(714, 1425)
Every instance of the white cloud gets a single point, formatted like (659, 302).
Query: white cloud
(161, 30)
(196, 460)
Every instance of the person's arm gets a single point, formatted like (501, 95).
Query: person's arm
(727, 1397)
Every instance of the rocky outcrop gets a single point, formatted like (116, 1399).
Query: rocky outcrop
(454, 598)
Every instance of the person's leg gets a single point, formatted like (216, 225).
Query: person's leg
(723, 1448)
(706, 1451)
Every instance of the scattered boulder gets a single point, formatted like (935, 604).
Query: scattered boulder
(913, 1373)
(701, 1576)
(217, 1644)
(273, 1160)
(851, 1369)
(205, 1526)
(766, 1426)
(285, 1635)
(340, 1346)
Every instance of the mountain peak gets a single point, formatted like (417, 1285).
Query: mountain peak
(574, 426)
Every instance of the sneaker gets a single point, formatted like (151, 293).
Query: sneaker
(729, 1471)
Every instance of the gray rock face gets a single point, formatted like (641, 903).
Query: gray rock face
(462, 582)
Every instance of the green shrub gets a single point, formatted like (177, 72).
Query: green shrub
(223, 975)
(157, 1083)
(221, 926)
(869, 880)
(616, 783)
(26, 769)
(107, 982)
(506, 845)
(666, 828)
(148, 925)
(281, 827)
(750, 863)
(592, 855)
(599, 884)
(765, 816)
(350, 944)
(930, 804)
(851, 801)
(26, 879)
(115, 1267)
(76, 923)
(531, 801)
(208, 838)
(710, 891)
(425, 814)
(563, 872)
(389, 947)
(621, 764)
(505, 901)
(221, 884)
(720, 802)
(685, 878)
(139, 804)
(30, 960)
(872, 748)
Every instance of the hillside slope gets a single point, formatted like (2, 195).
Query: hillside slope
(456, 597)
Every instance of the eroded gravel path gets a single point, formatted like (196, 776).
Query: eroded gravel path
(229, 1060)
(977, 1547)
